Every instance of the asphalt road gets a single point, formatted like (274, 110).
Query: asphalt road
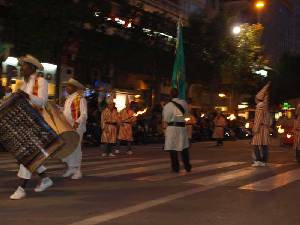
(222, 189)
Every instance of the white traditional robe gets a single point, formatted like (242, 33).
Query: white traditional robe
(39, 101)
(176, 138)
(74, 159)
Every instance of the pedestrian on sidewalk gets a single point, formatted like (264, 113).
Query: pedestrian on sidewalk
(127, 119)
(219, 125)
(176, 135)
(36, 90)
(75, 111)
(261, 127)
(109, 125)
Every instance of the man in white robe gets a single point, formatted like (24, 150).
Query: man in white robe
(36, 89)
(176, 134)
(75, 111)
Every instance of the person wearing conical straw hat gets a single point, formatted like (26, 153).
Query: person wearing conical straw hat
(75, 111)
(261, 127)
(127, 119)
(36, 90)
(109, 125)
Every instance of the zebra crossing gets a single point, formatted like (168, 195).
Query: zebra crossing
(205, 173)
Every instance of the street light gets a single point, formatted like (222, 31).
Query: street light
(222, 95)
(236, 30)
(259, 5)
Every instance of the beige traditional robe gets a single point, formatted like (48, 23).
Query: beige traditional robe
(220, 123)
(127, 119)
(109, 123)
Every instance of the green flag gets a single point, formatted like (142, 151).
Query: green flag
(178, 78)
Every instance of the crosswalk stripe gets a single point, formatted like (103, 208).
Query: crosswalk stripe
(135, 170)
(60, 165)
(231, 175)
(273, 182)
(111, 166)
(206, 168)
(8, 161)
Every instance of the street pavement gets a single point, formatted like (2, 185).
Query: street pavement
(222, 189)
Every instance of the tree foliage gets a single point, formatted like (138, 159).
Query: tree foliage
(244, 58)
(218, 58)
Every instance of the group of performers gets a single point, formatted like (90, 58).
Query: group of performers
(35, 88)
(117, 128)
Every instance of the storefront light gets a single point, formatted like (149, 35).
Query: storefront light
(49, 68)
(120, 101)
(12, 61)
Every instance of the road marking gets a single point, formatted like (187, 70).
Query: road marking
(273, 182)
(232, 175)
(136, 170)
(112, 166)
(215, 166)
(60, 165)
(139, 207)
(95, 220)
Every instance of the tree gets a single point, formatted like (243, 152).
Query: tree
(245, 56)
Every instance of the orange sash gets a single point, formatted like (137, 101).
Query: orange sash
(35, 89)
(75, 107)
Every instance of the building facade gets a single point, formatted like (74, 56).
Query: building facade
(281, 22)
(173, 9)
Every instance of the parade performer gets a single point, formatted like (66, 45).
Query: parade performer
(75, 111)
(127, 119)
(190, 123)
(261, 127)
(219, 126)
(176, 135)
(297, 133)
(109, 123)
(36, 89)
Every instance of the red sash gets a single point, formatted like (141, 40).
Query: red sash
(75, 107)
(35, 89)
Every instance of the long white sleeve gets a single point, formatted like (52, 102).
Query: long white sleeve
(42, 97)
(83, 111)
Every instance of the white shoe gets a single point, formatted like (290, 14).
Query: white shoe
(45, 183)
(77, 175)
(69, 172)
(262, 164)
(111, 155)
(117, 151)
(256, 164)
(129, 152)
(18, 194)
(104, 154)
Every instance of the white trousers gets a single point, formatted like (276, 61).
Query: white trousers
(74, 160)
(24, 173)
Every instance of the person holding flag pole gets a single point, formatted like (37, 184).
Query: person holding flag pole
(174, 112)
